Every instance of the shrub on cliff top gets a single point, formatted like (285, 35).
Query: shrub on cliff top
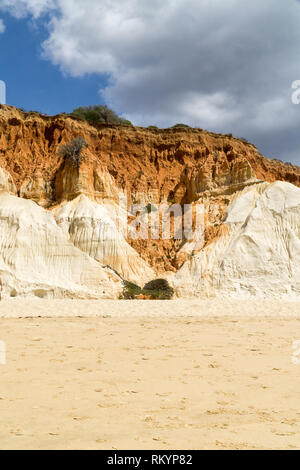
(99, 115)
(180, 125)
(73, 151)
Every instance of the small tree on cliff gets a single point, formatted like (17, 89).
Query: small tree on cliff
(73, 151)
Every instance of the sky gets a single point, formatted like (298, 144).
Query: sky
(226, 66)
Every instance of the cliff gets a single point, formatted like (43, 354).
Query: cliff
(174, 164)
(178, 165)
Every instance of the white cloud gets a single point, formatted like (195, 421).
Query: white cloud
(22, 8)
(227, 66)
(2, 26)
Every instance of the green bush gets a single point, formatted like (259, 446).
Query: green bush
(180, 125)
(99, 114)
(126, 122)
(73, 151)
(152, 127)
(158, 289)
(130, 290)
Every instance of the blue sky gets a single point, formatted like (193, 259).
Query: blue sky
(34, 83)
(223, 66)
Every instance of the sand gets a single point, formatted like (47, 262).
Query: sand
(149, 375)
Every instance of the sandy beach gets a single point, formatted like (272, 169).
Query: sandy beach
(184, 374)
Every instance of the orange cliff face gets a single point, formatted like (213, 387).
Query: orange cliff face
(179, 165)
(170, 164)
